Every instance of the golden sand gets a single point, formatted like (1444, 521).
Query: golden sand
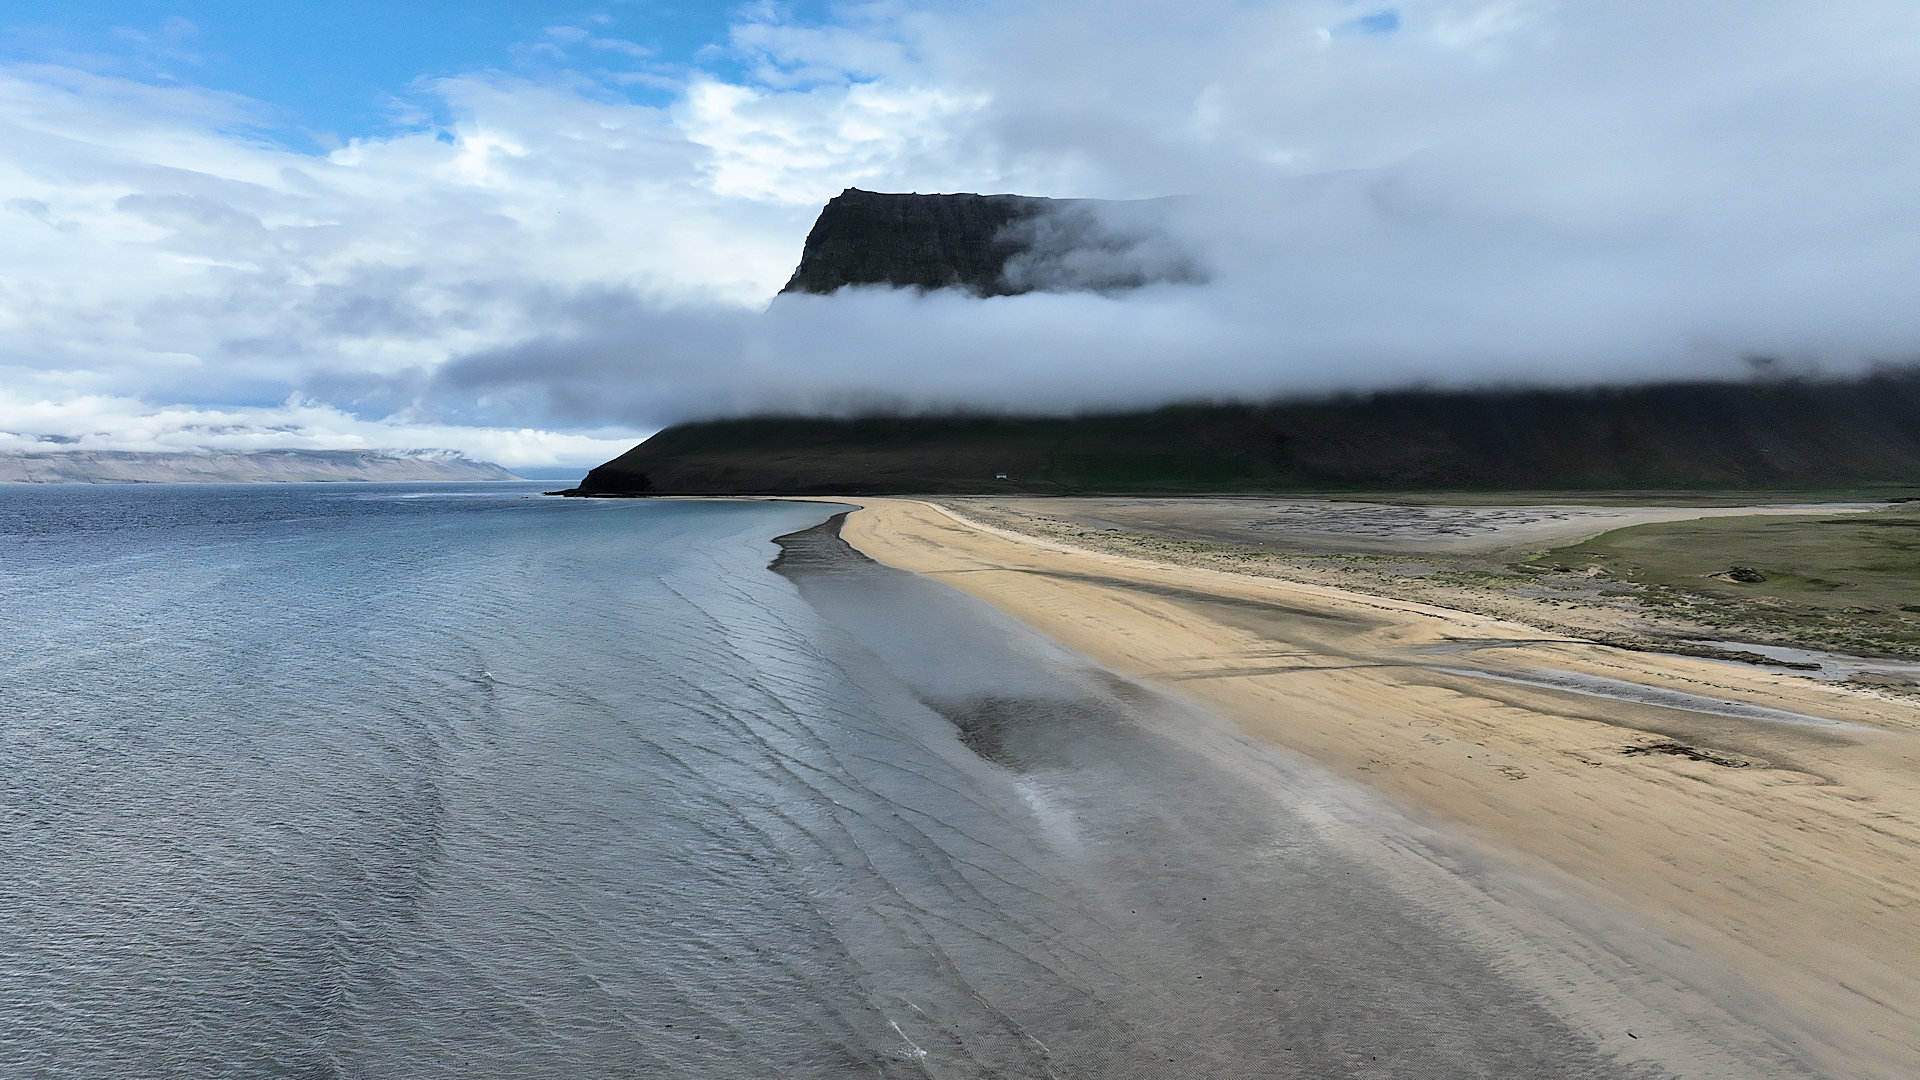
(1767, 826)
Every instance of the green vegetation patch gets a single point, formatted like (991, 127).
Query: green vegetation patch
(1117, 471)
(1711, 437)
(1849, 582)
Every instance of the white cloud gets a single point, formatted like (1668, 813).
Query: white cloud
(146, 252)
(99, 422)
(804, 146)
(1515, 190)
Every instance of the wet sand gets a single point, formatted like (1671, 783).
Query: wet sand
(1717, 859)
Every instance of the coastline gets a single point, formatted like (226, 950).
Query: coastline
(1761, 824)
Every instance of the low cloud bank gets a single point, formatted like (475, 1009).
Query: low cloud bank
(96, 423)
(1465, 192)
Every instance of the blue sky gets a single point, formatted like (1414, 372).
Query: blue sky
(344, 68)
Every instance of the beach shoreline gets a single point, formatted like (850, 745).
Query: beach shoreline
(1761, 823)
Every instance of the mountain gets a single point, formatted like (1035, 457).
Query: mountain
(989, 245)
(1680, 436)
(241, 467)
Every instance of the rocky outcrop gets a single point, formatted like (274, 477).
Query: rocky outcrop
(242, 467)
(988, 245)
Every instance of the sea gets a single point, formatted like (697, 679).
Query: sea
(463, 781)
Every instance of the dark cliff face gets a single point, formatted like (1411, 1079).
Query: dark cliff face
(912, 241)
(988, 245)
(1696, 436)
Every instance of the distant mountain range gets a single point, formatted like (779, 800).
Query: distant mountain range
(1691, 436)
(241, 467)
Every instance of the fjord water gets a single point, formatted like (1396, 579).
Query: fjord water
(455, 781)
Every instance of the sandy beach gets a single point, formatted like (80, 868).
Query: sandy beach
(1724, 840)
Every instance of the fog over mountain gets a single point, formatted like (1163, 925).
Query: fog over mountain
(1451, 193)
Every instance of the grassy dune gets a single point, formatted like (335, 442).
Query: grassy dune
(1850, 582)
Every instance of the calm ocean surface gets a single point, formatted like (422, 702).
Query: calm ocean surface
(388, 781)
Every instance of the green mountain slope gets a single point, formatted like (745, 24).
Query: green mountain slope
(1676, 436)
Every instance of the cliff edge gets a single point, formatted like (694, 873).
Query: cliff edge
(988, 245)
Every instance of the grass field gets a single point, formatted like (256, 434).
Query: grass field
(1851, 582)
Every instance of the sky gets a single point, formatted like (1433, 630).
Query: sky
(535, 232)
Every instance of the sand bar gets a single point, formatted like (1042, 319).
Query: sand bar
(1767, 826)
